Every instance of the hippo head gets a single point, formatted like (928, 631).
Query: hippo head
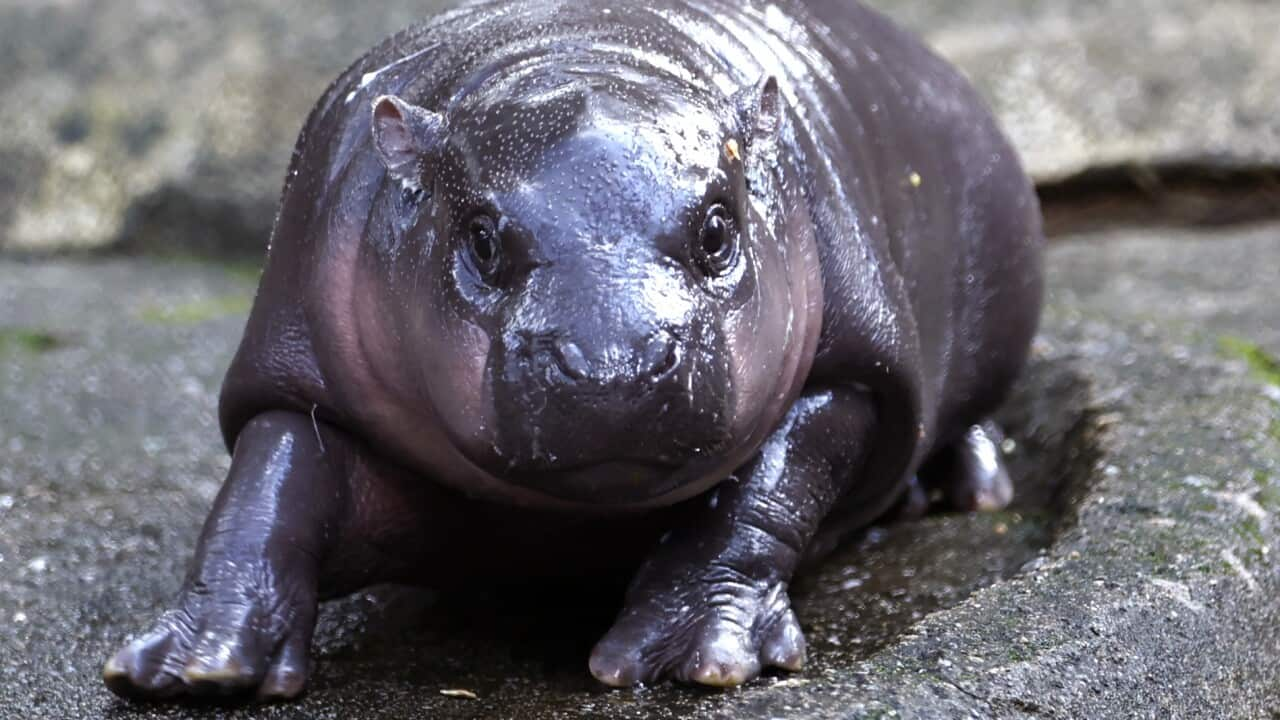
(602, 302)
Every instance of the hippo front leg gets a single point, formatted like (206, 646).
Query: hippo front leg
(710, 605)
(244, 617)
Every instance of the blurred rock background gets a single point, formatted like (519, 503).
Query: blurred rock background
(166, 126)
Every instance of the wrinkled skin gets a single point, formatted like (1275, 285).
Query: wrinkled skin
(692, 290)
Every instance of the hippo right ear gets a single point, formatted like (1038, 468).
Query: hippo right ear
(406, 136)
(760, 110)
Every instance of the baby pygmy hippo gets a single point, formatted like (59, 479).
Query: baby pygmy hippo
(688, 287)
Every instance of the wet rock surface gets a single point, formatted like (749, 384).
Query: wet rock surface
(168, 126)
(1134, 577)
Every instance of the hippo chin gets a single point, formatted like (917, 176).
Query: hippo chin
(692, 288)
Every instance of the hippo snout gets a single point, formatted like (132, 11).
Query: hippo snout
(560, 360)
(570, 401)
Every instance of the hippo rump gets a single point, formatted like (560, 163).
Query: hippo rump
(688, 289)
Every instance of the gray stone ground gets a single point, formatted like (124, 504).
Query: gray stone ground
(1135, 576)
(169, 124)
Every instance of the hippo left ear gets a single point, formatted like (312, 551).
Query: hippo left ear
(760, 112)
(406, 136)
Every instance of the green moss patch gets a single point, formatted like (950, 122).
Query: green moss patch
(249, 272)
(198, 311)
(1264, 365)
(28, 340)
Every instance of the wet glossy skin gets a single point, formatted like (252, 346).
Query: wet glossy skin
(559, 289)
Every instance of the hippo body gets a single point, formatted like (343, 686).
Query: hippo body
(556, 288)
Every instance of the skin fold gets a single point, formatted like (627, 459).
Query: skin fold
(691, 290)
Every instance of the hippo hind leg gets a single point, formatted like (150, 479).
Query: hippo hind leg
(970, 474)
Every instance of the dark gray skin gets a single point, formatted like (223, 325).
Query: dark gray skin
(564, 289)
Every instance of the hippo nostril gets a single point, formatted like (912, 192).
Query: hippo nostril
(661, 355)
(570, 359)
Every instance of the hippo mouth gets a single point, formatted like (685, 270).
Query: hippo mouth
(615, 482)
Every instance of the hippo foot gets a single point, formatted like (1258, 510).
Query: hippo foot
(223, 641)
(719, 634)
(981, 481)
(971, 475)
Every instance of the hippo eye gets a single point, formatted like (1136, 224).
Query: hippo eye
(716, 248)
(485, 248)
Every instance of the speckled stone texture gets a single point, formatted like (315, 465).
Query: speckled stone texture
(168, 125)
(1134, 577)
